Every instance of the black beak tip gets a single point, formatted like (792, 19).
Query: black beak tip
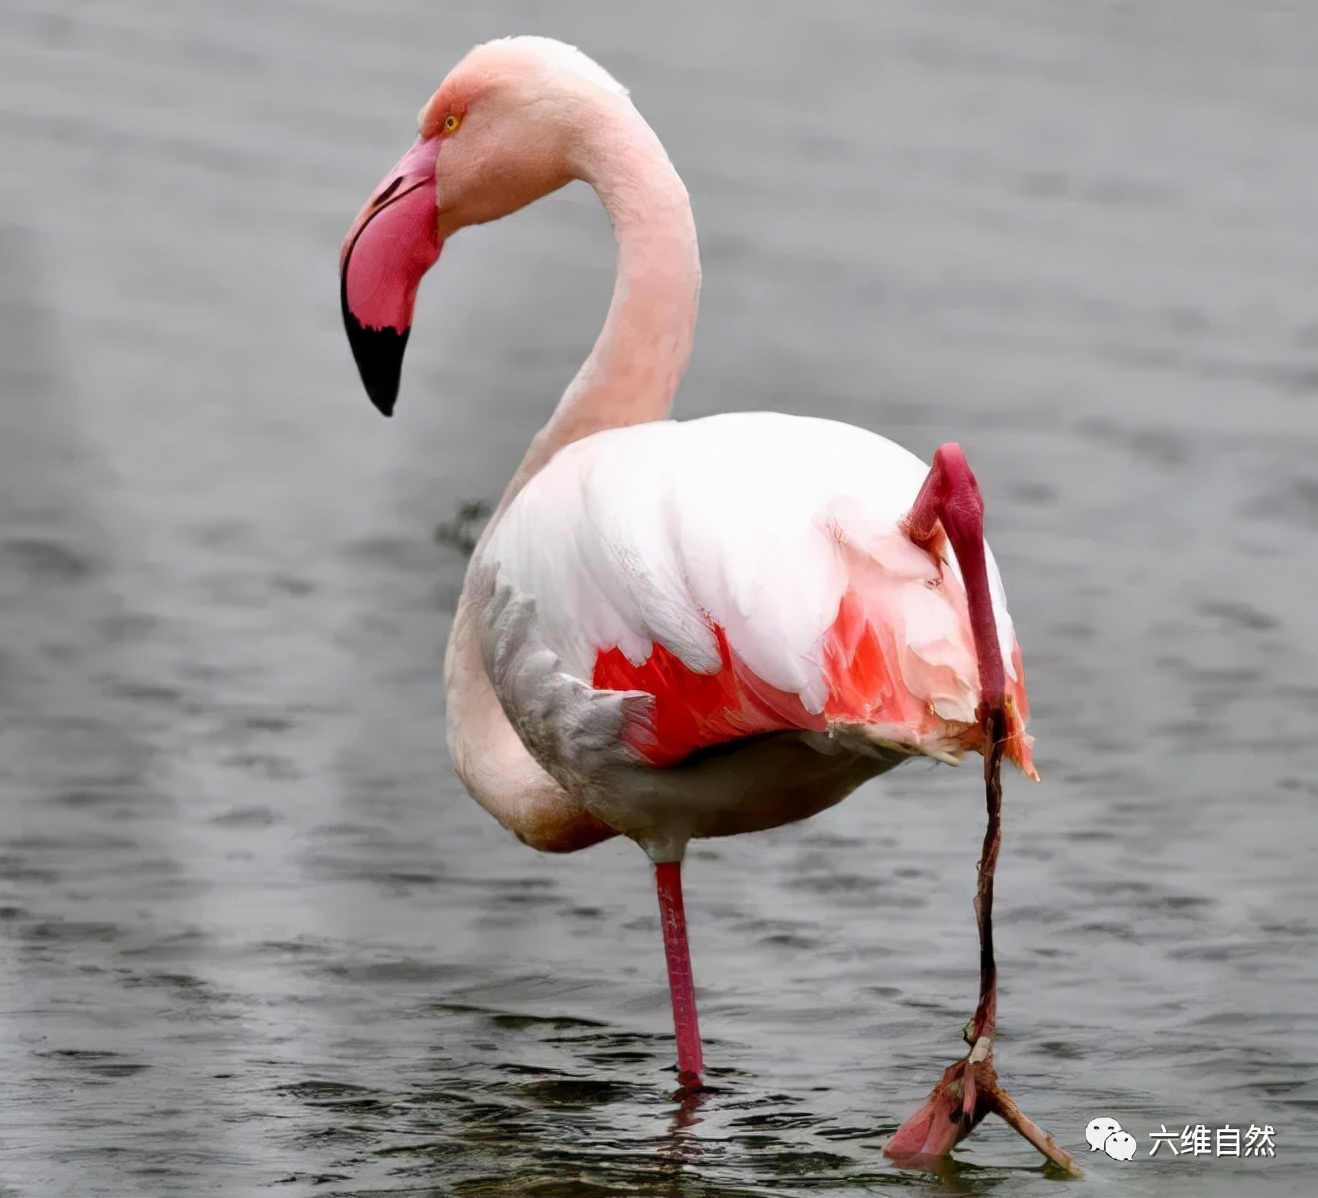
(379, 356)
(383, 400)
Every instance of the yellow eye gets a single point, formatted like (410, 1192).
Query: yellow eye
(451, 122)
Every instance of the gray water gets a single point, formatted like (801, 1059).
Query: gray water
(253, 936)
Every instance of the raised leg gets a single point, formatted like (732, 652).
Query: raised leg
(681, 985)
(949, 503)
(950, 497)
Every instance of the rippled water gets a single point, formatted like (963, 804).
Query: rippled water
(253, 937)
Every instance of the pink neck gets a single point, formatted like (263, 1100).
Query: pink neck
(642, 351)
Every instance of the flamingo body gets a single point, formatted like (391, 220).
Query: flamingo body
(671, 630)
(674, 587)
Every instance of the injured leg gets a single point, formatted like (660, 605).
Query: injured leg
(969, 1089)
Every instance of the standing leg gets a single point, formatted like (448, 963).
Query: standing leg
(672, 915)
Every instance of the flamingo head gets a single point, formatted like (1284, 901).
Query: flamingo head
(500, 132)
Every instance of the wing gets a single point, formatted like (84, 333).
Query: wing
(730, 576)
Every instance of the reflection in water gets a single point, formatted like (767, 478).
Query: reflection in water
(253, 936)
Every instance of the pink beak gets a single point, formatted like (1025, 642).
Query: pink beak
(391, 244)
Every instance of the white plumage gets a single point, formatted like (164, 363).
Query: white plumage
(655, 533)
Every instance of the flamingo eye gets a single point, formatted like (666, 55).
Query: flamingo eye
(452, 122)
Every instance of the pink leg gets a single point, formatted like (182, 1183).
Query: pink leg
(690, 1062)
(970, 1089)
(951, 496)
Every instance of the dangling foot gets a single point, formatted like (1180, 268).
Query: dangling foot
(967, 1092)
(970, 1089)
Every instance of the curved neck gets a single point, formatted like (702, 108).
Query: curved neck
(640, 355)
(629, 378)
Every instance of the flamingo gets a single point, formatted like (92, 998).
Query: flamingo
(672, 630)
